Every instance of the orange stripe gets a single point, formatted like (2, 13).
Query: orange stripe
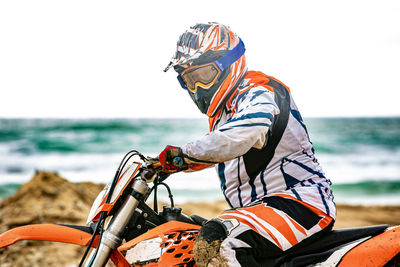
(225, 216)
(210, 45)
(273, 78)
(213, 39)
(232, 37)
(219, 46)
(298, 226)
(252, 227)
(248, 88)
(235, 67)
(198, 166)
(218, 96)
(261, 226)
(258, 78)
(325, 221)
(211, 120)
(270, 216)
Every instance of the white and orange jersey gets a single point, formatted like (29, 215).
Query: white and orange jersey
(260, 147)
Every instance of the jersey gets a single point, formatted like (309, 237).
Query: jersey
(260, 147)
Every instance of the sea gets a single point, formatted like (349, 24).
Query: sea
(361, 156)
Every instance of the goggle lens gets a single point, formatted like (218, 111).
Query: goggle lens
(204, 75)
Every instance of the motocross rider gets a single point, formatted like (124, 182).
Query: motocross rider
(261, 150)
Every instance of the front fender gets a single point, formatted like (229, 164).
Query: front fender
(73, 234)
(79, 235)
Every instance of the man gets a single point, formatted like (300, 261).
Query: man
(260, 147)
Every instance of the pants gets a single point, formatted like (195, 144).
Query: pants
(263, 230)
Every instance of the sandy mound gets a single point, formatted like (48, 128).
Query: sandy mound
(47, 198)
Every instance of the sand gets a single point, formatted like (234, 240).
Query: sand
(49, 198)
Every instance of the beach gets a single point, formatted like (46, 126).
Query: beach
(49, 198)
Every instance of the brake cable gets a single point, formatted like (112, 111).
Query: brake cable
(102, 217)
(155, 189)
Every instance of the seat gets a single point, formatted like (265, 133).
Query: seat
(320, 246)
(337, 237)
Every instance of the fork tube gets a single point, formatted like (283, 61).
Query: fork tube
(112, 236)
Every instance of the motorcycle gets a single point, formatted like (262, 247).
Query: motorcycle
(122, 228)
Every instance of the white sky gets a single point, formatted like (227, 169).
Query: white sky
(79, 59)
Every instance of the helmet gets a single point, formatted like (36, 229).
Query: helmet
(211, 63)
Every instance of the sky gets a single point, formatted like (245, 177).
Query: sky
(105, 59)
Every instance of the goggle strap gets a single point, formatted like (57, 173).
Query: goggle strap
(230, 57)
(182, 83)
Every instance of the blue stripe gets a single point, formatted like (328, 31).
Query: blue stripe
(307, 168)
(263, 182)
(289, 180)
(296, 194)
(243, 95)
(253, 116)
(221, 174)
(323, 200)
(262, 103)
(246, 125)
(296, 114)
(253, 190)
(240, 184)
(257, 93)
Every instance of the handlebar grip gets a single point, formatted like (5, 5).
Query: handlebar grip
(156, 165)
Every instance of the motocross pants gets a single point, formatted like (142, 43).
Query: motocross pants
(265, 229)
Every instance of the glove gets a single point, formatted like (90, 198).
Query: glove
(154, 163)
(171, 158)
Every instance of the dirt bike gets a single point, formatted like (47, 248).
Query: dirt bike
(124, 229)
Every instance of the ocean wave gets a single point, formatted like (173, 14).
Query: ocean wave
(30, 137)
(349, 150)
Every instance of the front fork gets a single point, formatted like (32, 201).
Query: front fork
(111, 238)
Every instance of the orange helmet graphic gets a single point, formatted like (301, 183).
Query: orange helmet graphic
(211, 63)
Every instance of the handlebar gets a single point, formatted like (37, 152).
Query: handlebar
(155, 166)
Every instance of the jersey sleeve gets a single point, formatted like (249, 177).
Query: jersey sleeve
(248, 128)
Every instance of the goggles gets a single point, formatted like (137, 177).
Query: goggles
(206, 75)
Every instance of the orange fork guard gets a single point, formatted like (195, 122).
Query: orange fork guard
(46, 232)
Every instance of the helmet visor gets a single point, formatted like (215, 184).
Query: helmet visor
(203, 75)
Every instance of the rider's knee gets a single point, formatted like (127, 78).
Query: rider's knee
(207, 244)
